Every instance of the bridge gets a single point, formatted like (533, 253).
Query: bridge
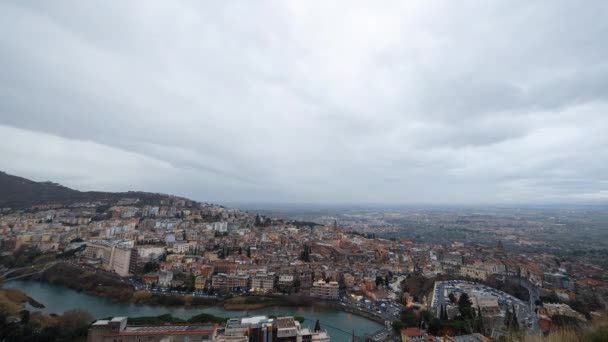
(33, 267)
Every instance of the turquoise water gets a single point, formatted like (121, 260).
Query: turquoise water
(58, 299)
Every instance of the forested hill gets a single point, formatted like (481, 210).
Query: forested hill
(18, 192)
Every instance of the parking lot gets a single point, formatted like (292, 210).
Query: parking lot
(485, 295)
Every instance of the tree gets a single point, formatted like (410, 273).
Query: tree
(426, 315)
(317, 326)
(25, 316)
(398, 325)
(342, 282)
(409, 318)
(150, 266)
(443, 313)
(479, 322)
(465, 306)
(386, 281)
(249, 252)
(515, 323)
(305, 254)
(511, 321)
(452, 297)
(190, 281)
(435, 326)
(379, 281)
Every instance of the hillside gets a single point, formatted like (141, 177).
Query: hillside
(18, 192)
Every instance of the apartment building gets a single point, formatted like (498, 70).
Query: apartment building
(321, 289)
(111, 257)
(263, 281)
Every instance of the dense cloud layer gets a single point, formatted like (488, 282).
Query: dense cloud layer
(310, 101)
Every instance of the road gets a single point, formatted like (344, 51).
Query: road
(534, 296)
(438, 299)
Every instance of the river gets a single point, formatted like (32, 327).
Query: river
(58, 299)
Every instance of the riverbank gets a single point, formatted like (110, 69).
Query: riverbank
(265, 301)
(358, 312)
(11, 301)
(261, 302)
(103, 285)
(95, 283)
(60, 299)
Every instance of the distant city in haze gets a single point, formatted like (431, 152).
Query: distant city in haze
(303, 171)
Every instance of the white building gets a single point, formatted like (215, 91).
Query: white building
(221, 227)
(165, 278)
(150, 252)
(181, 247)
(111, 256)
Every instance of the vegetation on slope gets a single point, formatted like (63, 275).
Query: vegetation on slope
(597, 331)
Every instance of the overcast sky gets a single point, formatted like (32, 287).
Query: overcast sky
(414, 102)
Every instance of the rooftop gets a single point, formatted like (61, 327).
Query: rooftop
(285, 322)
(169, 328)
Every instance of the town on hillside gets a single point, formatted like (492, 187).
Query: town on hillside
(181, 252)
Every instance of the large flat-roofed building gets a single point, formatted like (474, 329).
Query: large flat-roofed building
(111, 256)
(241, 326)
(117, 329)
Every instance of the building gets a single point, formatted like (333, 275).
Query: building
(286, 329)
(242, 326)
(474, 272)
(556, 281)
(553, 309)
(321, 289)
(98, 252)
(453, 258)
(150, 252)
(150, 278)
(114, 257)
(165, 278)
(286, 280)
(238, 282)
(181, 248)
(116, 329)
(121, 260)
(219, 282)
(264, 329)
(411, 334)
(200, 283)
(263, 282)
(221, 227)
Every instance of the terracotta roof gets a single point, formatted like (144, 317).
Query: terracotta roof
(411, 332)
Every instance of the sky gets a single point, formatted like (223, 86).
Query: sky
(411, 102)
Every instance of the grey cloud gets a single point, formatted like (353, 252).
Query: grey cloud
(414, 102)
